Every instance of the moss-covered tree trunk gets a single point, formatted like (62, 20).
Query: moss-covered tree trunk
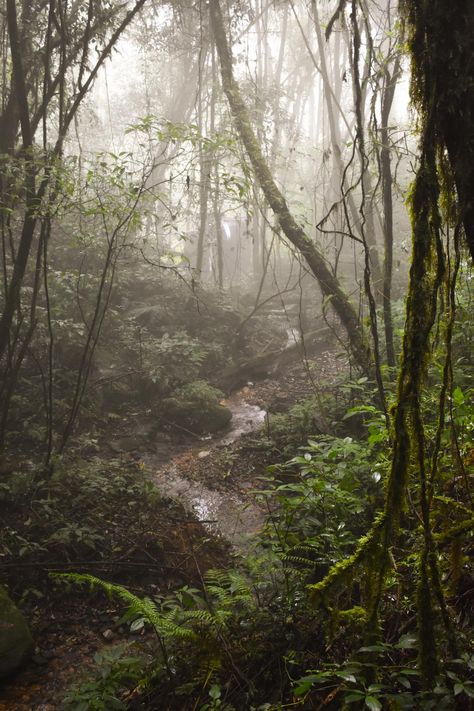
(442, 49)
(329, 285)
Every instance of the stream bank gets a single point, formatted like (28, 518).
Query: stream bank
(227, 511)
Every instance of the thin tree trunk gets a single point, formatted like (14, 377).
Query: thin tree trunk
(34, 197)
(218, 230)
(219, 265)
(204, 169)
(335, 136)
(387, 197)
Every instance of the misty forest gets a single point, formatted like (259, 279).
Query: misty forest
(236, 355)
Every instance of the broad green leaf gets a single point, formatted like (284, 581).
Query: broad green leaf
(372, 703)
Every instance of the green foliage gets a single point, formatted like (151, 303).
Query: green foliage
(319, 504)
(189, 140)
(399, 685)
(182, 620)
(67, 512)
(199, 392)
(169, 622)
(290, 430)
(325, 497)
(103, 689)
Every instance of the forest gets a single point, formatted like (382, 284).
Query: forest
(236, 355)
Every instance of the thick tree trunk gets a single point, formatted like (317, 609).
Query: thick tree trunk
(295, 234)
(442, 45)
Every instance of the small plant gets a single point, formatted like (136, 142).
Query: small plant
(290, 430)
(199, 392)
(104, 690)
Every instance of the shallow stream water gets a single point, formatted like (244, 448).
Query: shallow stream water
(227, 513)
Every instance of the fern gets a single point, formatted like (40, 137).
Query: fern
(228, 588)
(203, 617)
(299, 560)
(167, 625)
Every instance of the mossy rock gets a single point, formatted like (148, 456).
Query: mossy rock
(197, 417)
(16, 642)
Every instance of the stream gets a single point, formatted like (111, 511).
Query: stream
(229, 510)
(225, 512)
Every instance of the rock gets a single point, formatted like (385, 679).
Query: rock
(203, 454)
(16, 642)
(39, 659)
(196, 417)
(129, 443)
(108, 635)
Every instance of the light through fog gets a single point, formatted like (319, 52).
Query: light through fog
(287, 97)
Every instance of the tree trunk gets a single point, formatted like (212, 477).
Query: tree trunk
(442, 45)
(294, 233)
(336, 143)
(387, 197)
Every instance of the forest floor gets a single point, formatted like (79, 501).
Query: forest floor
(213, 478)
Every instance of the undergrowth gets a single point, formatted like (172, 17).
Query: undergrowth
(258, 636)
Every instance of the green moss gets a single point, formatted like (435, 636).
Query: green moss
(428, 655)
(16, 643)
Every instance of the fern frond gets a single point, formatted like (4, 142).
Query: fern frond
(166, 624)
(298, 559)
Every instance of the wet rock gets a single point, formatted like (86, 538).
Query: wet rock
(127, 444)
(16, 642)
(198, 418)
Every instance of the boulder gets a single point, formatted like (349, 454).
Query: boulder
(16, 642)
(198, 418)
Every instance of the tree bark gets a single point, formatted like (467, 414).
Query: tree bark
(387, 198)
(329, 285)
(442, 45)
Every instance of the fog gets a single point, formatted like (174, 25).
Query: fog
(235, 355)
(166, 68)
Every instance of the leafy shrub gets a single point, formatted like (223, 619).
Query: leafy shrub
(324, 496)
(398, 683)
(66, 513)
(290, 430)
(199, 392)
(103, 690)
